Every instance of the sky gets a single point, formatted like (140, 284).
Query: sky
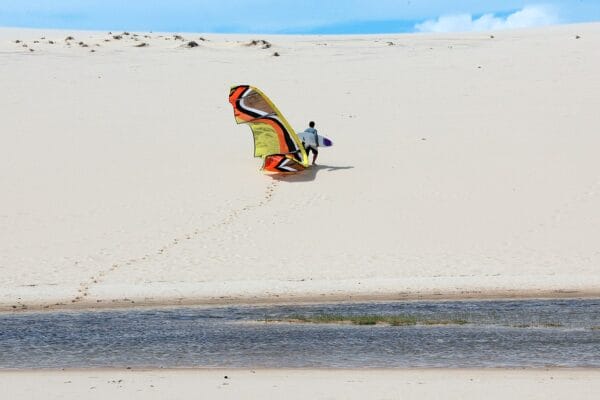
(295, 16)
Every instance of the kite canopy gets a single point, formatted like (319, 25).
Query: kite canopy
(274, 139)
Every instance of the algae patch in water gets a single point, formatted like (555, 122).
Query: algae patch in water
(392, 320)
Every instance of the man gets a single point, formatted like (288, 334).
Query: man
(310, 141)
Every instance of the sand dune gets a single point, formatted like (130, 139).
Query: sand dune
(463, 165)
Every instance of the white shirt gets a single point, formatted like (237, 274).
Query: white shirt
(309, 137)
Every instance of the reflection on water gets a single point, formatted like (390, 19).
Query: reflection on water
(530, 333)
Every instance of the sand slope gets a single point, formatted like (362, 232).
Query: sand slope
(463, 164)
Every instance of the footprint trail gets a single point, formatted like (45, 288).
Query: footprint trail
(84, 288)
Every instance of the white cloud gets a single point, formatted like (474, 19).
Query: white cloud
(529, 16)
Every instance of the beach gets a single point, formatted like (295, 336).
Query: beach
(463, 166)
(302, 384)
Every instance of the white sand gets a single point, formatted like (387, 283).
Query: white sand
(302, 384)
(463, 165)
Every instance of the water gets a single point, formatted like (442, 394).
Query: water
(531, 333)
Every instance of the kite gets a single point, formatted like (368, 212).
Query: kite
(274, 139)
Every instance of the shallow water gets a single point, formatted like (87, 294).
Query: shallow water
(531, 333)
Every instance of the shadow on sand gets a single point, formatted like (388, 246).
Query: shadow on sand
(307, 175)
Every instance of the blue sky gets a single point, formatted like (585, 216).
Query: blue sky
(295, 16)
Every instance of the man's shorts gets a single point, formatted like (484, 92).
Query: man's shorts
(309, 149)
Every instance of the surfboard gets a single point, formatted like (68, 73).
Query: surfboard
(309, 139)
